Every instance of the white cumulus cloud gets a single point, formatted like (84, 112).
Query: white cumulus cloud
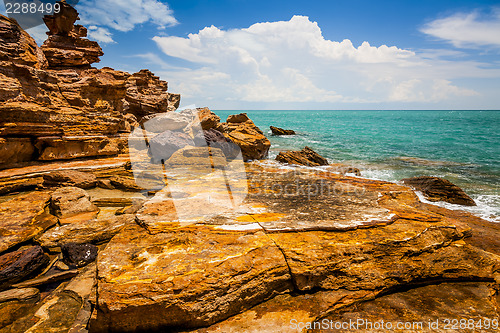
(292, 62)
(467, 29)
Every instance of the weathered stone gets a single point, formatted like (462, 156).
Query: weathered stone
(16, 303)
(238, 118)
(306, 156)
(79, 254)
(47, 279)
(57, 148)
(131, 209)
(281, 131)
(419, 307)
(164, 145)
(70, 178)
(169, 121)
(15, 150)
(70, 201)
(189, 277)
(17, 265)
(18, 46)
(438, 189)
(93, 231)
(125, 183)
(216, 139)
(23, 218)
(254, 145)
(197, 157)
(207, 119)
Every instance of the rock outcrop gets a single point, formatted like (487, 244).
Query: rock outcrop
(438, 189)
(64, 109)
(252, 141)
(306, 156)
(281, 131)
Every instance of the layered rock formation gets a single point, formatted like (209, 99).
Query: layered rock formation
(218, 246)
(54, 106)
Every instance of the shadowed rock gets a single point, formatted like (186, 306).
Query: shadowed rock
(281, 131)
(79, 254)
(306, 156)
(438, 189)
(17, 265)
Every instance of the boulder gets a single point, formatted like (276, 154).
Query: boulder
(163, 145)
(94, 231)
(306, 156)
(18, 265)
(438, 189)
(74, 178)
(281, 131)
(216, 139)
(79, 254)
(69, 201)
(125, 183)
(207, 118)
(169, 121)
(252, 142)
(237, 118)
(23, 218)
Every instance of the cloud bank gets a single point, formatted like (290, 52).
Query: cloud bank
(467, 29)
(292, 62)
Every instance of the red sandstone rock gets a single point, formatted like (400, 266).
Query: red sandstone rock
(438, 189)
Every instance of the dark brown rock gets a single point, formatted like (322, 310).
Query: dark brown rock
(306, 156)
(438, 189)
(79, 254)
(74, 178)
(281, 131)
(15, 150)
(216, 139)
(17, 265)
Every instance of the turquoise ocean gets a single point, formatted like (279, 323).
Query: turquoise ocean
(461, 146)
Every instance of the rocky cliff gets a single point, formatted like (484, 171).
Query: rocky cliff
(55, 106)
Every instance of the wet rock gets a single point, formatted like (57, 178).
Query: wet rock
(17, 265)
(164, 145)
(16, 303)
(69, 201)
(79, 254)
(438, 189)
(306, 156)
(343, 169)
(74, 178)
(93, 231)
(281, 131)
(178, 279)
(23, 218)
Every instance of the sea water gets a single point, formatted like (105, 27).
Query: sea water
(461, 146)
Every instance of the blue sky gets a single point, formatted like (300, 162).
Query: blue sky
(353, 54)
